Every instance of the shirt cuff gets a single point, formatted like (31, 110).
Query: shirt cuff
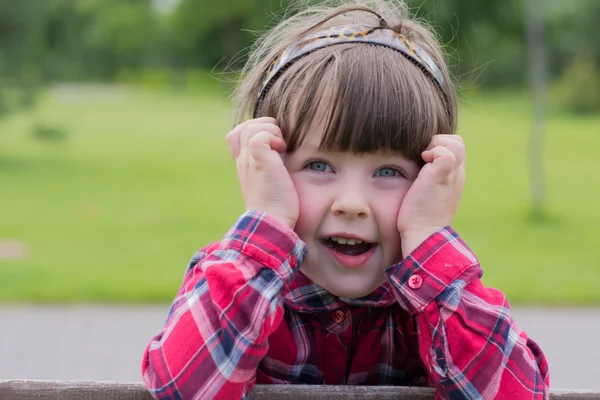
(441, 260)
(264, 239)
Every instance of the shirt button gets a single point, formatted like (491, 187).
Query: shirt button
(339, 316)
(415, 281)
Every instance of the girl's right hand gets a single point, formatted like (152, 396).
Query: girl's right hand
(266, 185)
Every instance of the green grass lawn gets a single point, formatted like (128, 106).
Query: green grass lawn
(114, 212)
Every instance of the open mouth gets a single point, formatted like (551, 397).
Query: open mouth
(349, 247)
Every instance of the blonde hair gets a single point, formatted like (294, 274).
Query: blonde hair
(373, 99)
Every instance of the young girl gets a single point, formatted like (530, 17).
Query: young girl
(344, 269)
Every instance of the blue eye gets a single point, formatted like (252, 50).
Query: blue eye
(319, 166)
(388, 172)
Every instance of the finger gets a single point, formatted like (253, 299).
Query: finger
(452, 142)
(454, 137)
(244, 158)
(261, 120)
(262, 145)
(233, 141)
(442, 159)
(278, 144)
(233, 137)
(444, 140)
(275, 142)
(254, 129)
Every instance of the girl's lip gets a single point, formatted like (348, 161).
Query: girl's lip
(353, 262)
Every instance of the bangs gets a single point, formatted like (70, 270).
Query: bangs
(366, 98)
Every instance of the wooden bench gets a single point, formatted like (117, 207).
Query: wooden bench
(92, 390)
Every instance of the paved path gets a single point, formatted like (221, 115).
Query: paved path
(107, 342)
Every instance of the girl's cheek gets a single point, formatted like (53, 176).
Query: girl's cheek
(301, 188)
(391, 194)
(311, 200)
(386, 206)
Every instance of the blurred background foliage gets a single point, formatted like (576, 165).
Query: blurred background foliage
(109, 40)
(113, 167)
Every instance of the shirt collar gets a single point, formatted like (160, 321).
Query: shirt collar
(306, 296)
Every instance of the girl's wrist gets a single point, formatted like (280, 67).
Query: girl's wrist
(411, 239)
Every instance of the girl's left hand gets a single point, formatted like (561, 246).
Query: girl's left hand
(432, 200)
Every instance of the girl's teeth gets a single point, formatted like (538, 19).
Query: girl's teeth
(342, 240)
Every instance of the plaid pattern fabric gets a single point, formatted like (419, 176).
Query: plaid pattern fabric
(245, 315)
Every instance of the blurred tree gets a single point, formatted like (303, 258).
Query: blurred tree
(578, 89)
(75, 39)
(206, 33)
(483, 37)
(572, 32)
(536, 49)
(99, 39)
(118, 34)
(21, 53)
(575, 55)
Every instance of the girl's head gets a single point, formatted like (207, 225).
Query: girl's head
(370, 98)
(356, 117)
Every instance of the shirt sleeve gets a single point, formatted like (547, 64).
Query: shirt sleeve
(468, 340)
(230, 301)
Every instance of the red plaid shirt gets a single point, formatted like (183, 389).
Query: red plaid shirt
(246, 315)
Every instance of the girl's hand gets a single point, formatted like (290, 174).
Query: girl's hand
(432, 201)
(266, 185)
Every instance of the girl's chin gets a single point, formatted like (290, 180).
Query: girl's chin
(356, 291)
(345, 286)
(351, 294)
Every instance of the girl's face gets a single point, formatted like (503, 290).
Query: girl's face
(349, 206)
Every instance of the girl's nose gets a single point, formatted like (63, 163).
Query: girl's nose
(350, 201)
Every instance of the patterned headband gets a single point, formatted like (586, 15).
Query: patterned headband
(351, 34)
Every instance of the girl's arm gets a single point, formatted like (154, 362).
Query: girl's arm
(468, 340)
(228, 305)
